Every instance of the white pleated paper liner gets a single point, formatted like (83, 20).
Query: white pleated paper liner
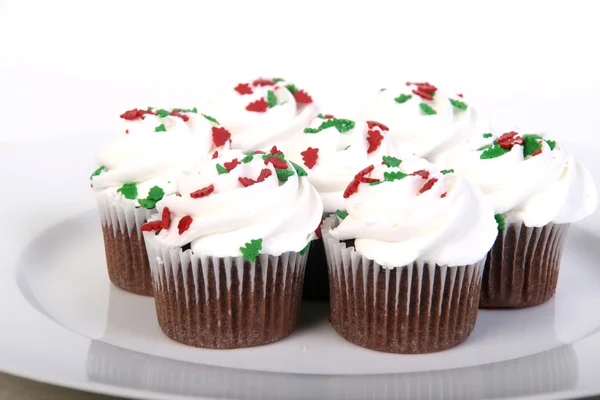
(521, 269)
(417, 308)
(126, 256)
(225, 302)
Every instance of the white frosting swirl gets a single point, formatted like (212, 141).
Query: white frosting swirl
(533, 189)
(340, 155)
(412, 128)
(288, 114)
(151, 150)
(283, 214)
(398, 222)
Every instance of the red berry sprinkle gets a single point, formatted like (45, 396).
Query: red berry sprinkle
(374, 138)
(310, 157)
(246, 181)
(422, 173)
(166, 218)
(184, 117)
(126, 131)
(243, 88)
(328, 116)
(302, 97)
(259, 105)
(372, 124)
(263, 82)
(184, 224)
(231, 164)
(352, 188)
(264, 174)
(460, 95)
(220, 136)
(202, 192)
(444, 195)
(278, 163)
(151, 226)
(215, 155)
(428, 185)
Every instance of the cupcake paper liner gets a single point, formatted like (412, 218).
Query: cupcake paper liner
(227, 302)
(417, 308)
(522, 267)
(126, 256)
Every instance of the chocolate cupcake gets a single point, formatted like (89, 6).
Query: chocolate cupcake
(333, 150)
(137, 168)
(228, 251)
(406, 257)
(537, 189)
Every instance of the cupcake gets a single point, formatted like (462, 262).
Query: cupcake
(537, 189)
(423, 119)
(406, 257)
(227, 251)
(136, 169)
(332, 151)
(263, 112)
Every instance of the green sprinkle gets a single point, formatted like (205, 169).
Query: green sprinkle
(551, 143)
(305, 249)
(150, 108)
(321, 116)
(311, 130)
(403, 98)
(500, 221)
(276, 80)
(252, 249)
(382, 89)
(163, 113)
(221, 169)
(292, 88)
(447, 171)
(342, 125)
(493, 151)
(156, 193)
(211, 119)
(128, 190)
(531, 145)
(248, 158)
(347, 147)
(147, 203)
(283, 174)
(375, 183)
(187, 110)
(394, 176)
(487, 135)
(299, 170)
(458, 104)
(271, 99)
(426, 108)
(97, 172)
(534, 136)
(487, 146)
(269, 155)
(391, 161)
(341, 214)
(160, 128)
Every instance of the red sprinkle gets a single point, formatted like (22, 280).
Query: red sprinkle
(259, 105)
(428, 185)
(127, 131)
(318, 230)
(264, 174)
(365, 171)
(278, 163)
(364, 179)
(538, 151)
(166, 218)
(246, 181)
(220, 136)
(263, 82)
(460, 95)
(444, 195)
(231, 164)
(374, 138)
(302, 97)
(509, 139)
(352, 188)
(184, 117)
(184, 224)
(424, 87)
(135, 114)
(310, 157)
(329, 116)
(372, 124)
(275, 151)
(215, 155)
(151, 226)
(422, 173)
(329, 318)
(243, 88)
(259, 152)
(202, 192)
(422, 94)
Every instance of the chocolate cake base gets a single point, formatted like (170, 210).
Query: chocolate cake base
(316, 279)
(127, 260)
(522, 267)
(225, 303)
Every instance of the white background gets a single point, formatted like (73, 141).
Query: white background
(70, 67)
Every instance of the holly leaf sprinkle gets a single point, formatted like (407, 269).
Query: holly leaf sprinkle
(160, 128)
(128, 190)
(221, 169)
(276, 80)
(426, 108)
(531, 145)
(342, 125)
(375, 183)
(492, 151)
(248, 158)
(341, 214)
(403, 98)
(155, 194)
(305, 249)
(271, 99)
(382, 89)
(299, 170)
(150, 108)
(251, 250)
(391, 161)
(501, 221)
(292, 88)
(97, 172)
(447, 171)
(551, 143)
(163, 113)
(458, 104)
(394, 176)
(146, 203)
(283, 174)
(187, 110)
(487, 135)
(211, 119)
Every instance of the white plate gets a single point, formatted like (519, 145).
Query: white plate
(61, 321)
